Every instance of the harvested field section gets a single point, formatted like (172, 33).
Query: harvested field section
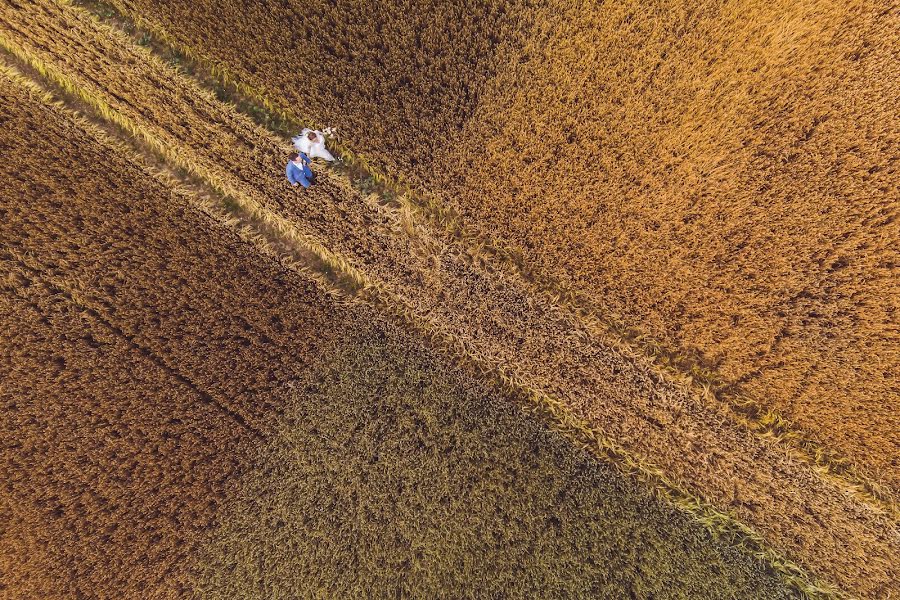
(442, 491)
(117, 449)
(618, 400)
(718, 179)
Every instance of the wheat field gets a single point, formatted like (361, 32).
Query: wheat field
(609, 324)
(719, 181)
(131, 468)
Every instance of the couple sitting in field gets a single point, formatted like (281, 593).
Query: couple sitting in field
(309, 144)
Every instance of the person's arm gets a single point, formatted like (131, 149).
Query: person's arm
(304, 158)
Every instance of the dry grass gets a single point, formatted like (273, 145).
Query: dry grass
(715, 181)
(133, 468)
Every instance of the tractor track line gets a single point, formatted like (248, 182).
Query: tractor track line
(36, 273)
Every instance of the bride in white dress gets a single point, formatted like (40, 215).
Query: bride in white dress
(312, 143)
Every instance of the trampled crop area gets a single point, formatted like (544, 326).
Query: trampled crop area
(221, 387)
(719, 182)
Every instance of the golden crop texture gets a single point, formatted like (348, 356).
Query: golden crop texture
(718, 179)
(807, 516)
(184, 416)
(691, 443)
(141, 345)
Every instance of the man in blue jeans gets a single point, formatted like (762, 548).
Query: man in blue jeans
(297, 171)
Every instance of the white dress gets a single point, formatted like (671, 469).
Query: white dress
(313, 149)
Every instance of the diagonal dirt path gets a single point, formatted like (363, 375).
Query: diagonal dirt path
(657, 428)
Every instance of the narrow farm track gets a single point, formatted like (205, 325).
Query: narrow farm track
(618, 400)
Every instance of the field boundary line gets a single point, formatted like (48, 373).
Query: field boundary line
(551, 410)
(672, 364)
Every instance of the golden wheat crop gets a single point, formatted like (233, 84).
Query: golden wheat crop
(723, 179)
(122, 309)
(717, 181)
(607, 399)
(176, 403)
(436, 477)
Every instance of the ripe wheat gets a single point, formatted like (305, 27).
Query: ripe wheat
(719, 182)
(177, 405)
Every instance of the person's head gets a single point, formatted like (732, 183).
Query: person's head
(311, 136)
(293, 156)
